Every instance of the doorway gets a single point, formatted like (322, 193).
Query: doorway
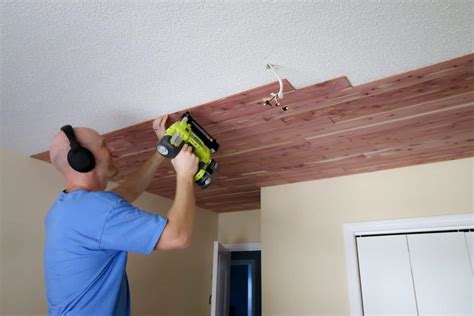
(245, 283)
(236, 280)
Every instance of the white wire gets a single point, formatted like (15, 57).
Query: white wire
(280, 82)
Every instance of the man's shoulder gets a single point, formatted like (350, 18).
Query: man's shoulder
(95, 199)
(82, 208)
(107, 197)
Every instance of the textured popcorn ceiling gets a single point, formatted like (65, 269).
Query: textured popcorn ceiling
(108, 65)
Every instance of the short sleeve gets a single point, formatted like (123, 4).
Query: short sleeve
(128, 228)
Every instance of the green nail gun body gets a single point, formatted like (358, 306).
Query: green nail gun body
(188, 131)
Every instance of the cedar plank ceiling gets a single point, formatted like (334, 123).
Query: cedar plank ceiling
(331, 129)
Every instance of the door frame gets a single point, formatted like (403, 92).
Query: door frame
(409, 225)
(256, 246)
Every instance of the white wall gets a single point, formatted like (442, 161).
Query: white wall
(303, 262)
(166, 283)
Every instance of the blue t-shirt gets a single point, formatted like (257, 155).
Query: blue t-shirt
(88, 236)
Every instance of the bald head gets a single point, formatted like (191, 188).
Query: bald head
(60, 147)
(104, 169)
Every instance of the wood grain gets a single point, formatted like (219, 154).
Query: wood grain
(331, 129)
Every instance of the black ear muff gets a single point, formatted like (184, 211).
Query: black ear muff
(79, 158)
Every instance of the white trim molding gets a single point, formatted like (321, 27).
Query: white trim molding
(409, 225)
(244, 247)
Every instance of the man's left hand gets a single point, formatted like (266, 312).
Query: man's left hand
(159, 125)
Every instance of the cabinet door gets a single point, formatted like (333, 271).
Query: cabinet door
(386, 281)
(470, 247)
(442, 273)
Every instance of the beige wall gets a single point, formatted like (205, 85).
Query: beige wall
(303, 263)
(167, 283)
(301, 234)
(239, 227)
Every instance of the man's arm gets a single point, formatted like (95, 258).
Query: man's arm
(139, 180)
(178, 231)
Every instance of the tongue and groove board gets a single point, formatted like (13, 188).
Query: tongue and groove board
(331, 129)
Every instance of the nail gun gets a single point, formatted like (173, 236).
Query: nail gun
(188, 131)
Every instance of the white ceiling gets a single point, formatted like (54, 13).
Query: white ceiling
(108, 65)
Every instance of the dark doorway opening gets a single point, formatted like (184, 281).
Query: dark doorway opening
(245, 284)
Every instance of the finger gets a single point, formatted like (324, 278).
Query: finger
(156, 123)
(163, 121)
(159, 119)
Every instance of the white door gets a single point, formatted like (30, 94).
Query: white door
(470, 249)
(220, 281)
(442, 273)
(385, 275)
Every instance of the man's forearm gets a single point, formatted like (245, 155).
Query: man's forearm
(139, 180)
(184, 207)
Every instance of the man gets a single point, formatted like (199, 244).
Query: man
(89, 231)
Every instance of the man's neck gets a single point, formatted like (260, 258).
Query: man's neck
(85, 185)
(71, 188)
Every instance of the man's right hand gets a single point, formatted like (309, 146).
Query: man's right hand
(179, 229)
(185, 163)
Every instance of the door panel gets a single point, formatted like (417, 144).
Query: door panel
(442, 273)
(386, 281)
(220, 281)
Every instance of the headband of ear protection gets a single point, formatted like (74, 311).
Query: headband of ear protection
(79, 158)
